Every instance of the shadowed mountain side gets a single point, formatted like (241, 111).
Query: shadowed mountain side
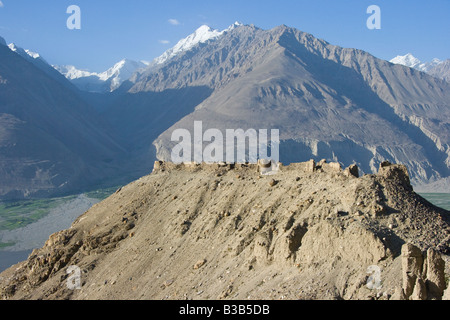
(43, 65)
(51, 142)
(137, 119)
(91, 84)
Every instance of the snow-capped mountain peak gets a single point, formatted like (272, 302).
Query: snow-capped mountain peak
(25, 53)
(13, 47)
(32, 54)
(120, 72)
(108, 80)
(203, 34)
(124, 66)
(71, 72)
(233, 26)
(409, 60)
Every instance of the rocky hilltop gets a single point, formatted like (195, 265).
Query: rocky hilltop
(225, 231)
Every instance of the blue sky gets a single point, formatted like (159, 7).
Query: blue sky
(143, 29)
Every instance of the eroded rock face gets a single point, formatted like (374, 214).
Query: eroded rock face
(423, 275)
(435, 274)
(420, 290)
(314, 234)
(352, 171)
(327, 243)
(396, 172)
(446, 295)
(412, 264)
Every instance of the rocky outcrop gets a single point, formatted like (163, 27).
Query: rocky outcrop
(423, 275)
(228, 231)
(397, 173)
(412, 265)
(435, 276)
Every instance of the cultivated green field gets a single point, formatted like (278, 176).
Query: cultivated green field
(18, 214)
(5, 245)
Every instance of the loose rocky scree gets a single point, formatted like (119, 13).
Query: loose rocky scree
(224, 231)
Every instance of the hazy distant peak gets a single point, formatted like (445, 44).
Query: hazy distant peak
(108, 80)
(2, 41)
(442, 70)
(120, 72)
(409, 60)
(72, 72)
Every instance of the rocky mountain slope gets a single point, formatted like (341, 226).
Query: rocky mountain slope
(50, 139)
(313, 231)
(442, 70)
(328, 102)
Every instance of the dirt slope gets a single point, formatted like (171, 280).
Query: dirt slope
(226, 232)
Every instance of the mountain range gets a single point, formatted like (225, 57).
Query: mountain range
(112, 78)
(106, 81)
(328, 102)
(436, 68)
